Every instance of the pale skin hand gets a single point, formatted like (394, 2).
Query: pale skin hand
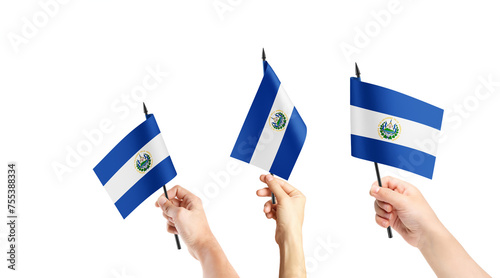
(402, 206)
(186, 217)
(289, 215)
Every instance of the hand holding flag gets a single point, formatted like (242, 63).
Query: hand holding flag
(387, 126)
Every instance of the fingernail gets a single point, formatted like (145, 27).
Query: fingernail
(162, 201)
(377, 189)
(269, 178)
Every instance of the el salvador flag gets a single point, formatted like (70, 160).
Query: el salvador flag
(392, 128)
(273, 132)
(136, 167)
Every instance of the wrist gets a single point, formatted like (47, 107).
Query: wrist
(292, 261)
(432, 235)
(446, 256)
(206, 247)
(290, 243)
(288, 237)
(288, 232)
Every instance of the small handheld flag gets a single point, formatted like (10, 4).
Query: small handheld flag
(391, 128)
(136, 167)
(273, 133)
(376, 141)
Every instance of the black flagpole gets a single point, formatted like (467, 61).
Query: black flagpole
(164, 188)
(273, 198)
(389, 230)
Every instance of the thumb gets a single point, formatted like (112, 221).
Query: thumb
(168, 207)
(275, 186)
(388, 195)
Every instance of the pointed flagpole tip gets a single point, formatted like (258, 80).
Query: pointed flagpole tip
(263, 55)
(145, 109)
(358, 74)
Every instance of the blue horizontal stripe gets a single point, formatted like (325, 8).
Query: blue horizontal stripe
(127, 147)
(290, 147)
(394, 155)
(257, 116)
(387, 101)
(157, 177)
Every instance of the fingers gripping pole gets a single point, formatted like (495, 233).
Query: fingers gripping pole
(273, 198)
(389, 230)
(177, 241)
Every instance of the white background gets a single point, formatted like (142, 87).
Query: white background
(64, 79)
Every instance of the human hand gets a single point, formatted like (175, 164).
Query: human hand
(185, 216)
(289, 215)
(288, 210)
(402, 206)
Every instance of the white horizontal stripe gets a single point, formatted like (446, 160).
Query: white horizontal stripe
(413, 135)
(128, 175)
(270, 139)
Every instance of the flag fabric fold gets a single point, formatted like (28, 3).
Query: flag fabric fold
(273, 133)
(136, 167)
(394, 129)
